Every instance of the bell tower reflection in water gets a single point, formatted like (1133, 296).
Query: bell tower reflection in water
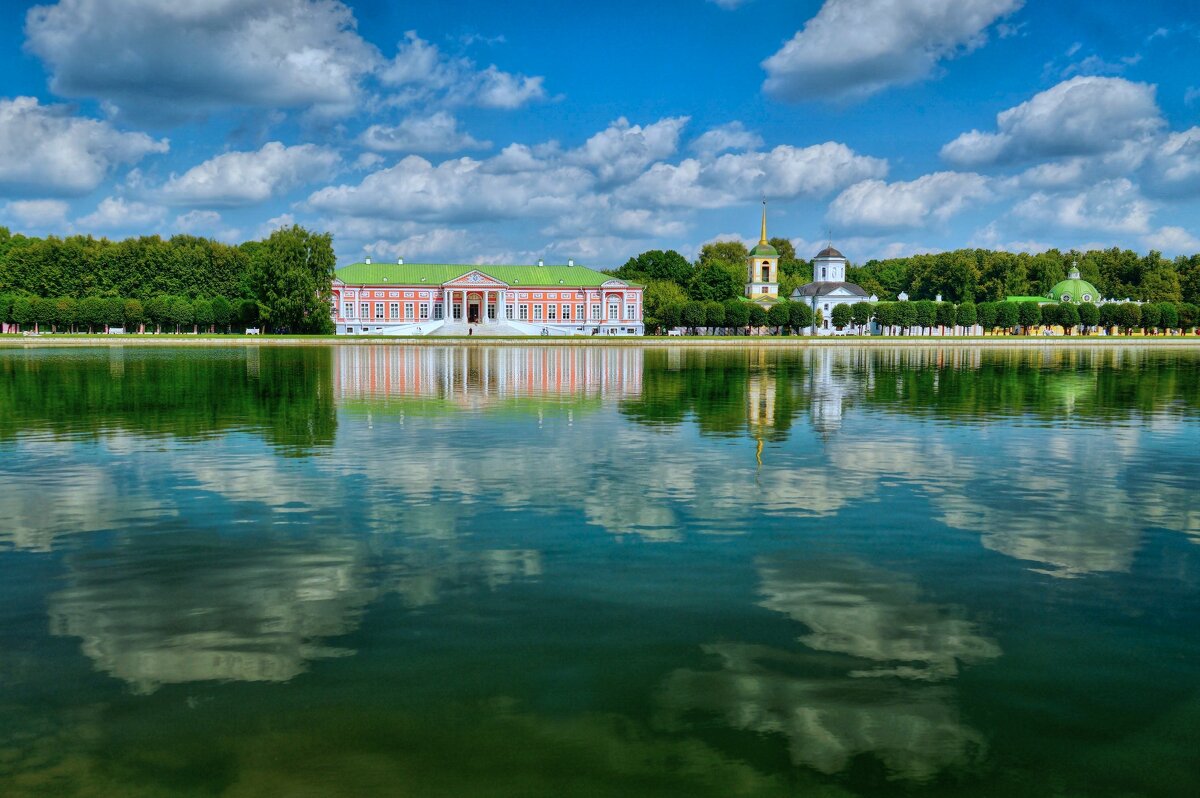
(476, 376)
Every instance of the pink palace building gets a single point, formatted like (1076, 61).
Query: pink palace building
(445, 299)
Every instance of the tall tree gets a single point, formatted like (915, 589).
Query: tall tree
(293, 276)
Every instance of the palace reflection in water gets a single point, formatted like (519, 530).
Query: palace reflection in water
(687, 571)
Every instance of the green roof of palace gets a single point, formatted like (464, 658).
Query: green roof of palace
(1044, 300)
(438, 273)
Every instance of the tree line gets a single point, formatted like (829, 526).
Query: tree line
(282, 282)
(678, 292)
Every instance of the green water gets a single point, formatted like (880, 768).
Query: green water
(384, 570)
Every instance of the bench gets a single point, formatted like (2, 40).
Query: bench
(252, 331)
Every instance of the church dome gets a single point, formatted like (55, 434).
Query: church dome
(764, 251)
(830, 252)
(1074, 289)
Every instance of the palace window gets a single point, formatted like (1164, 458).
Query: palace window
(349, 310)
(552, 312)
(379, 310)
(614, 312)
(766, 271)
(408, 310)
(595, 313)
(524, 313)
(579, 312)
(566, 312)
(537, 312)
(764, 290)
(424, 311)
(822, 272)
(393, 293)
(1087, 297)
(437, 311)
(491, 312)
(394, 310)
(630, 310)
(508, 312)
(456, 309)
(365, 310)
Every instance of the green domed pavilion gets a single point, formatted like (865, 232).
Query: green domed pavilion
(1074, 289)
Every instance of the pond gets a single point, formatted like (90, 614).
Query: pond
(459, 571)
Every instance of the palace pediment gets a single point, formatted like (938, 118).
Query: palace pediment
(614, 284)
(475, 279)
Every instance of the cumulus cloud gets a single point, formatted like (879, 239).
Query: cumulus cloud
(874, 205)
(165, 60)
(45, 150)
(245, 178)
(1172, 241)
(1110, 206)
(854, 48)
(436, 132)
(785, 172)
(37, 213)
(1173, 169)
(459, 190)
(732, 136)
(622, 150)
(421, 73)
(1082, 116)
(115, 213)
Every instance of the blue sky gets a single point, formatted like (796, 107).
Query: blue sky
(507, 132)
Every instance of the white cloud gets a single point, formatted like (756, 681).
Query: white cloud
(37, 213)
(874, 205)
(854, 48)
(1172, 241)
(732, 136)
(44, 150)
(421, 73)
(785, 172)
(156, 59)
(729, 5)
(621, 151)
(245, 178)
(1111, 206)
(1174, 165)
(195, 221)
(436, 132)
(1081, 116)
(114, 213)
(279, 222)
(459, 190)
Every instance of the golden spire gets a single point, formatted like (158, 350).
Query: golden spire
(763, 239)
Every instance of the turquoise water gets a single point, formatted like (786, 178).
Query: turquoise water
(455, 571)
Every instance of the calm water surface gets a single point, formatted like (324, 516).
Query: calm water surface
(522, 572)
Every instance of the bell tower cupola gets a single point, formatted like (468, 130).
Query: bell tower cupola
(762, 266)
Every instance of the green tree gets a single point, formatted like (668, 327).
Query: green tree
(158, 311)
(693, 315)
(66, 310)
(861, 313)
(985, 314)
(5, 300)
(22, 311)
(180, 312)
(659, 295)
(906, 316)
(222, 313)
(1050, 314)
(1008, 315)
(758, 316)
(731, 252)
(1128, 317)
(968, 317)
(202, 312)
(1168, 316)
(1028, 314)
(1109, 316)
(1068, 317)
(714, 282)
(926, 314)
(737, 313)
(670, 316)
(1089, 316)
(248, 313)
(114, 311)
(44, 312)
(842, 316)
(1151, 318)
(799, 316)
(818, 321)
(947, 315)
(1188, 313)
(135, 314)
(714, 315)
(292, 280)
(657, 264)
(778, 316)
(91, 312)
(885, 316)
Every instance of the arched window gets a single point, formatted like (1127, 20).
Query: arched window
(1087, 297)
(766, 272)
(1066, 297)
(822, 272)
